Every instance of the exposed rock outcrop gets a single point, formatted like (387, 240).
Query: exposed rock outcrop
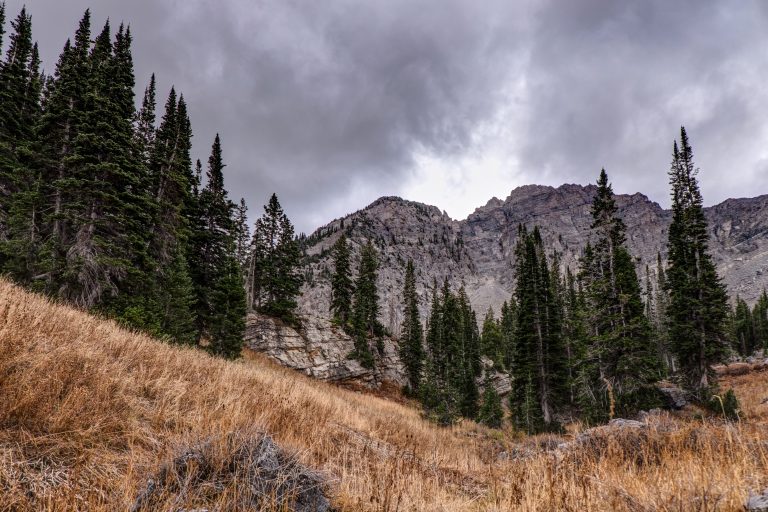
(321, 350)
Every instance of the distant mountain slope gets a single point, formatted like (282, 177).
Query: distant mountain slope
(478, 251)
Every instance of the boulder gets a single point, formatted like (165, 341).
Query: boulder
(758, 503)
(676, 397)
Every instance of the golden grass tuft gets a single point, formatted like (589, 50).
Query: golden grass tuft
(89, 411)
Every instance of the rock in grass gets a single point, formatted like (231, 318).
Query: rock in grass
(758, 503)
(251, 470)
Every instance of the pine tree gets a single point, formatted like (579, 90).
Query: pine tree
(107, 215)
(627, 360)
(19, 106)
(20, 109)
(365, 309)
(411, 334)
(242, 234)
(508, 325)
(56, 132)
(743, 328)
(274, 278)
(760, 319)
(440, 399)
(491, 412)
(574, 334)
(698, 300)
(471, 364)
(220, 297)
(492, 340)
(342, 287)
(659, 318)
(539, 376)
(144, 124)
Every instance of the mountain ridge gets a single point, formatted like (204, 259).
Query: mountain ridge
(478, 251)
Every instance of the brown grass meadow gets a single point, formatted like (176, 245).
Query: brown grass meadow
(90, 411)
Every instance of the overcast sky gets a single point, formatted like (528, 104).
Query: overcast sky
(334, 103)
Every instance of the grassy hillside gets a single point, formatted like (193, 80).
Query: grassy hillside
(89, 412)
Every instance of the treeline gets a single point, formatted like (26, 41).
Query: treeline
(579, 345)
(749, 327)
(102, 206)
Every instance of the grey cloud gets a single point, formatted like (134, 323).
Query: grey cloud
(327, 102)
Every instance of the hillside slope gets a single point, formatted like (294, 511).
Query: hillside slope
(479, 250)
(90, 412)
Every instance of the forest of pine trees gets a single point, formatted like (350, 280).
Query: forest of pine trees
(101, 206)
(591, 345)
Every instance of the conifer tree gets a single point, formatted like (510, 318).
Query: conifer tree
(365, 309)
(56, 132)
(440, 399)
(411, 334)
(539, 386)
(470, 356)
(743, 328)
(20, 109)
(659, 320)
(760, 319)
(574, 333)
(491, 412)
(19, 106)
(274, 277)
(507, 324)
(492, 340)
(342, 287)
(144, 124)
(620, 339)
(697, 298)
(242, 234)
(107, 215)
(220, 296)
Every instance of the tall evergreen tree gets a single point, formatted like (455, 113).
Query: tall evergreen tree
(365, 309)
(491, 413)
(20, 109)
(342, 287)
(220, 296)
(508, 325)
(411, 334)
(56, 132)
(539, 386)
(19, 106)
(242, 234)
(620, 340)
(471, 366)
(438, 395)
(698, 300)
(743, 328)
(492, 339)
(144, 124)
(274, 278)
(107, 215)
(760, 318)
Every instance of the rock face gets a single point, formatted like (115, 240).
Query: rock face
(320, 350)
(478, 251)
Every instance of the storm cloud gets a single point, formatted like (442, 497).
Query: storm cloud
(332, 104)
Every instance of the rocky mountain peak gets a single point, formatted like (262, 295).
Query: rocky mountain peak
(478, 251)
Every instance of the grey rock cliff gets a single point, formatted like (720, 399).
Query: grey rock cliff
(320, 349)
(478, 251)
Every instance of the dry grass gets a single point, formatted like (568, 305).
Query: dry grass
(89, 411)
